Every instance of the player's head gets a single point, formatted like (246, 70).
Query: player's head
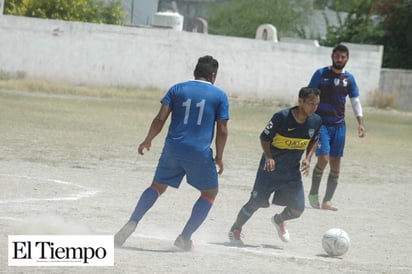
(206, 69)
(340, 56)
(309, 99)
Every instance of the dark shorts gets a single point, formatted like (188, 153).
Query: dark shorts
(286, 192)
(202, 175)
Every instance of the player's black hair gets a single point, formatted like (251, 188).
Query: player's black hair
(205, 67)
(306, 91)
(342, 48)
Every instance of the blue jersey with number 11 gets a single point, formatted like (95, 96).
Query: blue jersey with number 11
(196, 106)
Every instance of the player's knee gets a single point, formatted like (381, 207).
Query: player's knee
(209, 194)
(255, 204)
(296, 212)
(250, 208)
(321, 165)
(322, 162)
(159, 188)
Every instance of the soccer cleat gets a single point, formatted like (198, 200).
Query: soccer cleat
(185, 245)
(281, 228)
(235, 237)
(124, 233)
(328, 206)
(314, 201)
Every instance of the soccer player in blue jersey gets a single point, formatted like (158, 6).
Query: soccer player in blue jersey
(197, 107)
(335, 84)
(284, 140)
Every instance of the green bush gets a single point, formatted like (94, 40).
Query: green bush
(93, 11)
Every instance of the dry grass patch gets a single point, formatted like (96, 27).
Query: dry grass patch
(60, 88)
(382, 100)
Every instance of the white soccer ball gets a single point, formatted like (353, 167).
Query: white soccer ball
(335, 242)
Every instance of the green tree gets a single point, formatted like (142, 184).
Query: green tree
(397, 37)
(377, 22)
(360, 26)
(242, 17)
(94, 11)
(340, 5)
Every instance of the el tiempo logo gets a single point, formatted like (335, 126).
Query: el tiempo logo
(61, 250)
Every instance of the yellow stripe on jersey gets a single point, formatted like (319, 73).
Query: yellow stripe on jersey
(284, 142)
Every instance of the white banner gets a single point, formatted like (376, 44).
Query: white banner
(61, 250)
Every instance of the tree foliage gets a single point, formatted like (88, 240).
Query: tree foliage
(243, 17)
(93, 11)
(340, 5)
(360, 26)
(378, 22)
(397, 37)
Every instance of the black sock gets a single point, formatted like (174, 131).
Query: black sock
(243, 216)
(316, 178)
(331, 186)
(284, 216)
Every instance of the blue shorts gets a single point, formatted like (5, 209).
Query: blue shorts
(202, 175)
(287, 192)
(331, 140)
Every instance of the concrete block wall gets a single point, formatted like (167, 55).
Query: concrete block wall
(85, 53)
(399, 83)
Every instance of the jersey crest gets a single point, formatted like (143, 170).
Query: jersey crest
(336, 81)
(311, 132)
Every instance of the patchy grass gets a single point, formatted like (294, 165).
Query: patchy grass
(60, 88)
(36, 122)
(7, 75)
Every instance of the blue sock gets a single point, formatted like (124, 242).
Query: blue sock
(146, 201)
(199, 214)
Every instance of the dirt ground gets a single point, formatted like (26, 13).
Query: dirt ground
(68, 165)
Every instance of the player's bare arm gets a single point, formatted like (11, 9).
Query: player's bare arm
(221, 137)
(357, 110)
(305, 166)
(269, 161)
(155, 128)
(361, 127)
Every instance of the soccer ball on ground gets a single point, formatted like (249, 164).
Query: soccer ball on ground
(335, 242)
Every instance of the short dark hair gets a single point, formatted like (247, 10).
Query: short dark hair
(306, 91)
(342, 48)
(205, 67)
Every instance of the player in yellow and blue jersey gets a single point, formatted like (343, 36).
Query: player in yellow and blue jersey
(196, 107)
(285, 139)
(335, 84)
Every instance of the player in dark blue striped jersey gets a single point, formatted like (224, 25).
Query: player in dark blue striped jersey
(196, 107)
(286, 137)
(335, 84)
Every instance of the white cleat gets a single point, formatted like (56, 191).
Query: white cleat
(282, 231)
(235, 237)
(124, 233)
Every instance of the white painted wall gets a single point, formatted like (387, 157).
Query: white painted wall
(84, 53)
(1, 7)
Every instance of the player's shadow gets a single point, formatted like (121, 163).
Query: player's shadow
(272, 246)
(330, 257)
(229, 244)
(170, 250)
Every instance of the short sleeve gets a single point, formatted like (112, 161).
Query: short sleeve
(272, 127)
